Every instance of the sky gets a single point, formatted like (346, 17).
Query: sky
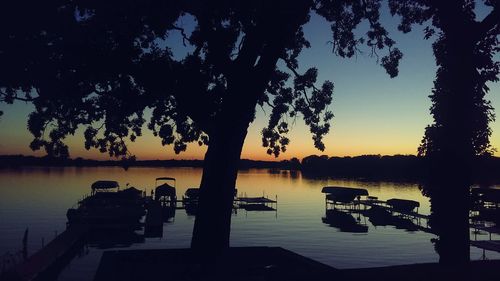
(374, 114)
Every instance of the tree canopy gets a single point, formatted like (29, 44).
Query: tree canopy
(100, 64)
(465, 48)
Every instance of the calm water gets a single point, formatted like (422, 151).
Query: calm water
(38, 198)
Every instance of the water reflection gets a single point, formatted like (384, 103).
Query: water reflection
(382, 217)
(39, 198)
(347, 209)
(344, 221)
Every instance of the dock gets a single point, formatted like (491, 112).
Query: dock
(55, 252)
(383, 204)
(475, 270)
(239, 263)
(256, 203)
(356, 204)
(490, 245)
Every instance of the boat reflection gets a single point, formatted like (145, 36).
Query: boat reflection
(347, 209)
(344, 221)
(379, 216)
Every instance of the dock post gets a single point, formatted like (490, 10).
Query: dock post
(25, 245)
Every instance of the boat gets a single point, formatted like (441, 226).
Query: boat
(190, 200)
(108, 207)
(191, 195)
(165, 192)
(402, 205)
(340, 194)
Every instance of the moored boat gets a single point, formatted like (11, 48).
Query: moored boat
(165, 192)
(402, 205)
(109, 207)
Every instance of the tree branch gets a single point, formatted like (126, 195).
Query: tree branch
(4, 98)
(183, 33)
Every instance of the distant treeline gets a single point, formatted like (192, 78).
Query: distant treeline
(398, 167)
(14, 161)
(370, 167)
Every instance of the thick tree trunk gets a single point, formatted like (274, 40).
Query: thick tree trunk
(251, 72)
(213, 218)
(220, 169)
(454, 109)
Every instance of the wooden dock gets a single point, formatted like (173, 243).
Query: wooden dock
(490, 245)
(475, 270)
(241, 263)
(52, 254)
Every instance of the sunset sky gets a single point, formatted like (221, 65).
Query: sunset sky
(373, 113)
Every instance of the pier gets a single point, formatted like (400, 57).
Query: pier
(56, 252)
(489, 245)
(240, 263)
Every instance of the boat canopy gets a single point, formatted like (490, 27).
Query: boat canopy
(164, 190)
(341, 189)
(104, 184)
(165, 179)
(343, 194)
(131, 191)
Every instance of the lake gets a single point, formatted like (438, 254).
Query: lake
(38, 198)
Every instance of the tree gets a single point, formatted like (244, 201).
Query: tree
(465, 50)
(99, 64)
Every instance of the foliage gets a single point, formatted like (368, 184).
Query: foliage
(100, 64)
(466, 55)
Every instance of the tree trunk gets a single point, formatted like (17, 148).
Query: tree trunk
(455, 110)
(251, 72)
(220, 169)
(213, 218)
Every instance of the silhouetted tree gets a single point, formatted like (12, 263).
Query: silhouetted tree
(465, 49)
(101, 63)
